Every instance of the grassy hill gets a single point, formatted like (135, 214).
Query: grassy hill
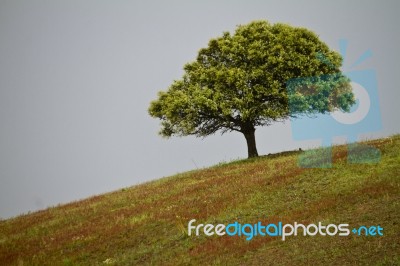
(146, 224)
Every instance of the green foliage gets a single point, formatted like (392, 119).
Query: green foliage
(260, 74)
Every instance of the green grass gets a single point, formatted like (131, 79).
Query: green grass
(147, 224)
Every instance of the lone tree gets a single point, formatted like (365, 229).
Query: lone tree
(260, 74)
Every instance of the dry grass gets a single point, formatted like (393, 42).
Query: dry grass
(146, 224)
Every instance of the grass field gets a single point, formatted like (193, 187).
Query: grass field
(146, 224)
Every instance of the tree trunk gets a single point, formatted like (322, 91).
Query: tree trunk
(251, 143)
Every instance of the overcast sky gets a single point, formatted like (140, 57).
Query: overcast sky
(76, 79)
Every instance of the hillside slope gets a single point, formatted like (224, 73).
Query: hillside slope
(146, 224)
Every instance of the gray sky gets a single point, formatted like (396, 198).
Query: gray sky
(76, 79)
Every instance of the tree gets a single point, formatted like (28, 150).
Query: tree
(260, 74)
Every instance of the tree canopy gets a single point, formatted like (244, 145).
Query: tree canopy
(260, 74)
